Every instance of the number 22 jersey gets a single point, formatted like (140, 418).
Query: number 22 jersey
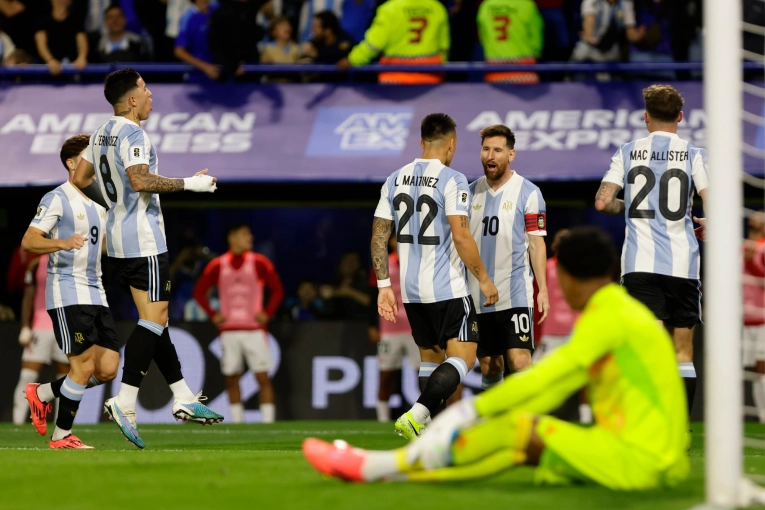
(135, 227)
(419, 198)
(659, 174)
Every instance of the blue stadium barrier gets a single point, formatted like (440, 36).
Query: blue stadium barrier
(40, 70)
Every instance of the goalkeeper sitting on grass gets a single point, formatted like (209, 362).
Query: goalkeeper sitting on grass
(618, 350)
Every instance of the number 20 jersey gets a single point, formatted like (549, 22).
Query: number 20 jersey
(135, 227)
(659, 174)
(419, 198)
(74, 276)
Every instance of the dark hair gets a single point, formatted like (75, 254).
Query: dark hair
(498, 130)
(587, 252)
(329, 21)
(111, 7)
(119, 83)
(234, 227)
(73, 147)
(663, 102)
(437, 126)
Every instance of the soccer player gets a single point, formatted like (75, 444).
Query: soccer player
(660, 258)
(508, 221)
(394, 341)
(754, 306)
(428, 203)
(135, 239)
(70, 228)
(242, 277)
(36, 337)
(618, 350)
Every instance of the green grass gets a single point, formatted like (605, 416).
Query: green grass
(261, 467)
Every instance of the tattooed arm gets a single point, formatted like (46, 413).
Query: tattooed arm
(606, 201)
(143, 180)
(468, 252)
(381, 229)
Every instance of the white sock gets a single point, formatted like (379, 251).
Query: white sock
(60, 433)
(127, 396)
(585, 413)
(237, 412)
(268, 413)
(45, 393)
(383, 411)
(20, 405)
(379, 465)
(758, 392)
(420, 412)
(182, 392)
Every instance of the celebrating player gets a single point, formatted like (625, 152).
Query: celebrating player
(394, 341)
(618, 350)
(70, 228)
(428, 202)
(135, 238)
(36, 337)
(241, 278)
(508, 221)
(660, 258)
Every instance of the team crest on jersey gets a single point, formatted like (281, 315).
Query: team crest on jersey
(79, 338)
(541, 222)
(507, 205)
(102, 213)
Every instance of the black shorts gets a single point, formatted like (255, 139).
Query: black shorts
(151, 274)
(79, 327)
(506, 329)
(676, 301)
(437, 323)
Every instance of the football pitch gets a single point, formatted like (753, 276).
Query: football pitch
(261, 466)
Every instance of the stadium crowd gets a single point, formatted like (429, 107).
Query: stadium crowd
(216, 38)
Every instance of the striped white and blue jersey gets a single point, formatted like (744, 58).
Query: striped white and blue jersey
(135, 227)
(74, 276)
(501, 222)
(659, 174)
(419, 198)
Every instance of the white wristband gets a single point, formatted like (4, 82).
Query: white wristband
(383, 283)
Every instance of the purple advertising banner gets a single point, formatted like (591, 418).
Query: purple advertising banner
(564, 131)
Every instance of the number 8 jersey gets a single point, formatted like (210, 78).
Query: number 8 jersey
(74, 276)
(135, 227)
(418, 198)
(659, 174)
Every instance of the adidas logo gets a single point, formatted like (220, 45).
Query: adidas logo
(80, 216)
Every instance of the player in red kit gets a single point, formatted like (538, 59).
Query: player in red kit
(242, 277)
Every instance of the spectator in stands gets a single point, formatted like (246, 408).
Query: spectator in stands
(19, 20)
(655, 44)
(605, 26)
(117, 44)
(234, 35)
(405, 32)
(306, 305)
(7, 50)
(350, 291)
(281, 49)
(511, 32)
(98, 9)
(354, 17)
(191, 45)
(557, 37)
(184, 272)
(328, 44)
(175, 9)
(61, 38)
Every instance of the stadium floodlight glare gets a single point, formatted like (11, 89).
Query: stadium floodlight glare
(726, 486)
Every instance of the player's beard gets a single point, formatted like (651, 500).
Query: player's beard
(497, 174)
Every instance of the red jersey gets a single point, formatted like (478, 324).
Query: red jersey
(241, 281)
(754, 287)
(561, 318)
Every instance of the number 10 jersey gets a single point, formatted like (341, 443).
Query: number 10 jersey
(134, 227)
(419, 198)
(659, 174)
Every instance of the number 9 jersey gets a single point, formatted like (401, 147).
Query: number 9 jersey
(659, 174)
(135, 227)
(419, 198)
(74, 276)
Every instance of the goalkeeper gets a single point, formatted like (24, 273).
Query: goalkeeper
(618, 350)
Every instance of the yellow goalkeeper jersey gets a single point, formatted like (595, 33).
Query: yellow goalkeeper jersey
(626, 359)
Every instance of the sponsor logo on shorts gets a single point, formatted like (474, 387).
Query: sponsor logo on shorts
(524, 338)
(79, 338)
(167, 286)
(474, 327)
(507, 205)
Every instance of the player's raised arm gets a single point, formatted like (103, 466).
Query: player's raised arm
(142, 180)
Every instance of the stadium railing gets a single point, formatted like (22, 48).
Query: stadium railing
(474, 70)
